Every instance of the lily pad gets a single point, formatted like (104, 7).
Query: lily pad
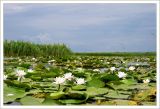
(50, 102)
(110, 77)
(29, 100)
(129, 81)
(77, 95)
(79, 87)
(92, 91)
(57, 95)
(71, 101)
(96, 83)
(34, 91)
(119, 95)
(26, 80)
(12, 93)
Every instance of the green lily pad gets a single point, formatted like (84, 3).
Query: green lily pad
(129, 81)
(79, 87)
(57, 95)
(71, 101)
(109, 77)
(92, 91)
(26, 80)
(50, 102)
(95, 83)
(119, 95)
(29, 100)
(18, 84)
(77, 95)
(11, 93)
(34, 91)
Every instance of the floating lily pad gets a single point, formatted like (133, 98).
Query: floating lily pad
(50, 102)
(12, 93)
(110, 77)
(34, 91)
(92, 91)
(29, 100)
(95, 83)
(79, 87)
(18, 84)
(26, 80)
(57, 95)
(71, 101)
(129, 81)
(118, 95)
(77, 95)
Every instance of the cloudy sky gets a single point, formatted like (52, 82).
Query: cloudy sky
(84, 27)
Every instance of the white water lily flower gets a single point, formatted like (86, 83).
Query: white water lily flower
(80, 81)
(108, 62)
(68, 76)
(146, 81)
(20, 74)
(51, 61)
(33, 58)
(10, 94)
(5, 77)
(30, 70)
(112, 68)
(122, 74)
(96, 70)
(131, 68)
(59, 80)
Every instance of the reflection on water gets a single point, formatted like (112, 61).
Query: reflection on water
(138, 63)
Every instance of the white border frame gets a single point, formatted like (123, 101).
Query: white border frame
(62, 107)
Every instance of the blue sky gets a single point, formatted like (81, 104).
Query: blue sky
(84, 27)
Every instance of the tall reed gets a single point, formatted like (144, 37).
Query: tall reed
(21, 48)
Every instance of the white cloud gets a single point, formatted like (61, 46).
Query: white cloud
(75, 24)
(14, 8)
(77, 16)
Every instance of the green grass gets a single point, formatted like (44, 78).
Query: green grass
(116, 53)
(21, 48)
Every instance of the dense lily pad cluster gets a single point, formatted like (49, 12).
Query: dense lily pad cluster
(82, 80)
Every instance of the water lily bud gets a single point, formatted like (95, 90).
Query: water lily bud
(131, 68)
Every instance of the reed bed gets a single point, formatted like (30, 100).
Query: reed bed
(21, 48)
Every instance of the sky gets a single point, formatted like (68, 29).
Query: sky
(83, 27)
